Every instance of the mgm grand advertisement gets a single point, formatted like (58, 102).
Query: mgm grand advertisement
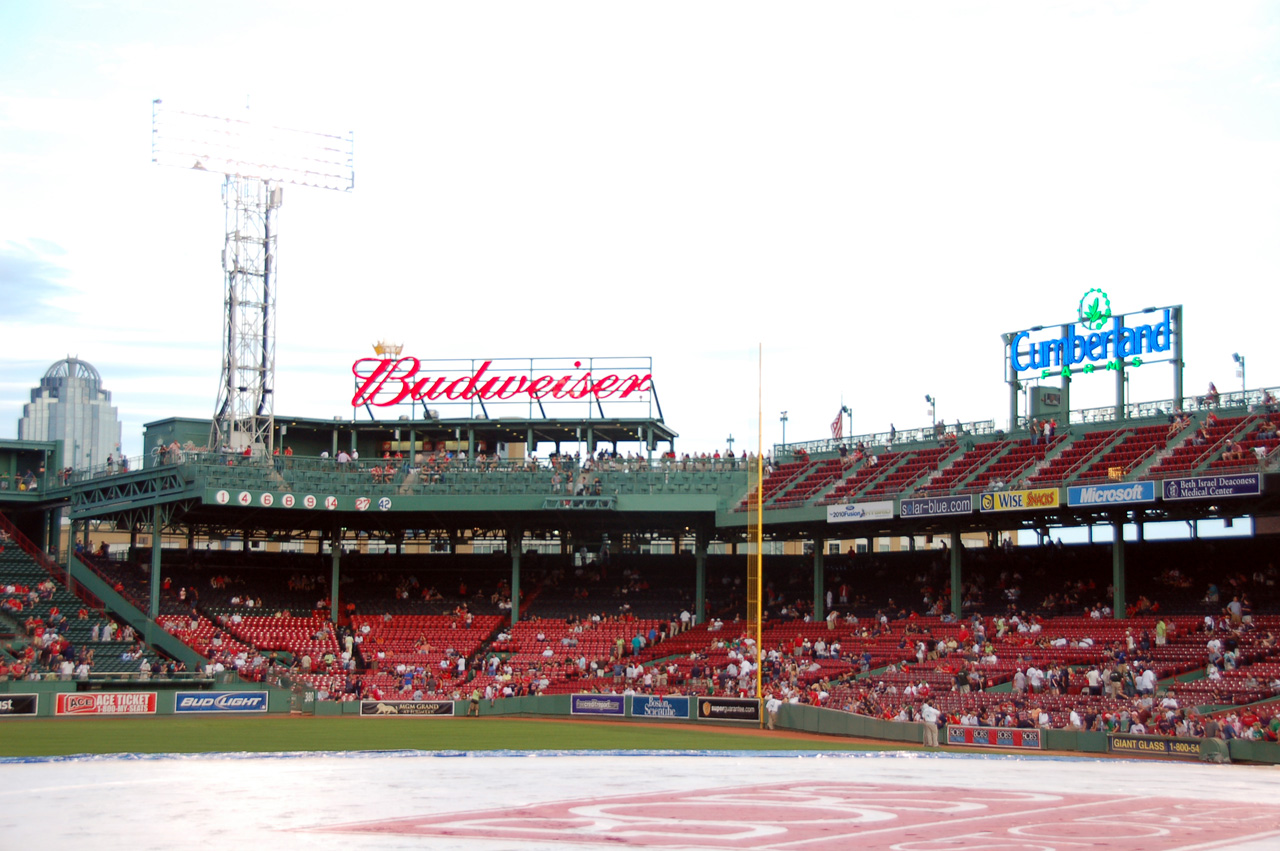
(403, 708)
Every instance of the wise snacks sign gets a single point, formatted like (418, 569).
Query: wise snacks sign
(1019, 500)
(383, 381)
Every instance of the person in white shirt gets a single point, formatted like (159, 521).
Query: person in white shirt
(930, 717)
(771, 707)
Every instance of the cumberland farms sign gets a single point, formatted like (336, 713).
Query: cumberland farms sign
(388, 381)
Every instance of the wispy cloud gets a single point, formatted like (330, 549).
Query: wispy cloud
(30, 279)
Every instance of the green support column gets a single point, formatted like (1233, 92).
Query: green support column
(44, 531)
(335, 558)
(69, 554)
(153, 607)
(71, 548)
(1117, 568)
(55, 533)
(956, 596)
(471, 446)
(515, 541)
(700, 580)
(157, 523)
(1120, 412)
(819, 581)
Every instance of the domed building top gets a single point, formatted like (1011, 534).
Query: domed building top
(70, 406)
(70, 367)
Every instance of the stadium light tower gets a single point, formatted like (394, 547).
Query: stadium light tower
(254, 159)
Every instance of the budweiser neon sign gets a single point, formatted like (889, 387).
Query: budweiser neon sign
(382, 382)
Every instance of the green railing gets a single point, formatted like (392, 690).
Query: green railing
(378, 478)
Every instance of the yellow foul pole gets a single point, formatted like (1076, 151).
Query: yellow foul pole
(759, 577)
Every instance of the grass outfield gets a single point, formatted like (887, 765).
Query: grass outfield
(59, 737)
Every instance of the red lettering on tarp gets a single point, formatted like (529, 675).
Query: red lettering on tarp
(822, 815)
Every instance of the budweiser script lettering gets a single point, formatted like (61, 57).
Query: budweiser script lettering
(382, 382)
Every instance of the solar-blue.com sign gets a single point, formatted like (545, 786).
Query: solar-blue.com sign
(936, 505)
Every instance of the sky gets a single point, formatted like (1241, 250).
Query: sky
(869, 193)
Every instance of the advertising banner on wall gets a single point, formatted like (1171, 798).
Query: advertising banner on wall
(936, 506)
(651, 706)
(597, 704)
(1118, 494)
(993, 737)
(18, 704)
(728, 709)
(881, 510)
(1212, 487)
(1183, 748)
(107, 703)
(1019, 500)
(406, 708)
(220, 701)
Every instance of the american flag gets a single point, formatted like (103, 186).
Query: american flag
(837, 426)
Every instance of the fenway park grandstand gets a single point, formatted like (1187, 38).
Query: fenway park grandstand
(382, 565)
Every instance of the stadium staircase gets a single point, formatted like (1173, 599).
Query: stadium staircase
(1189, 457)
(1082, 451)
(25, 567)
(960, 470)
(1008, 468)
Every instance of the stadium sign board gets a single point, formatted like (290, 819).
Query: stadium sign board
(1097, 347)
(658, 706)
(936, 506)
(107, 703)
(881, 510)
(597, 704)
(1182, 748)
(1212, 487)
(13, 705)
(220, 701)
(1019, 500)
(406, 708)
(386, 381)
(1113, 494)
(993, 737)
(728, 709)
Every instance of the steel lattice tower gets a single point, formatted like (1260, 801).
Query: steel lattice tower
(255, 161)
(245, 413)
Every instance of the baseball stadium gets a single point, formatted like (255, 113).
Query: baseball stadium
(852, 622)
(520, 602)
